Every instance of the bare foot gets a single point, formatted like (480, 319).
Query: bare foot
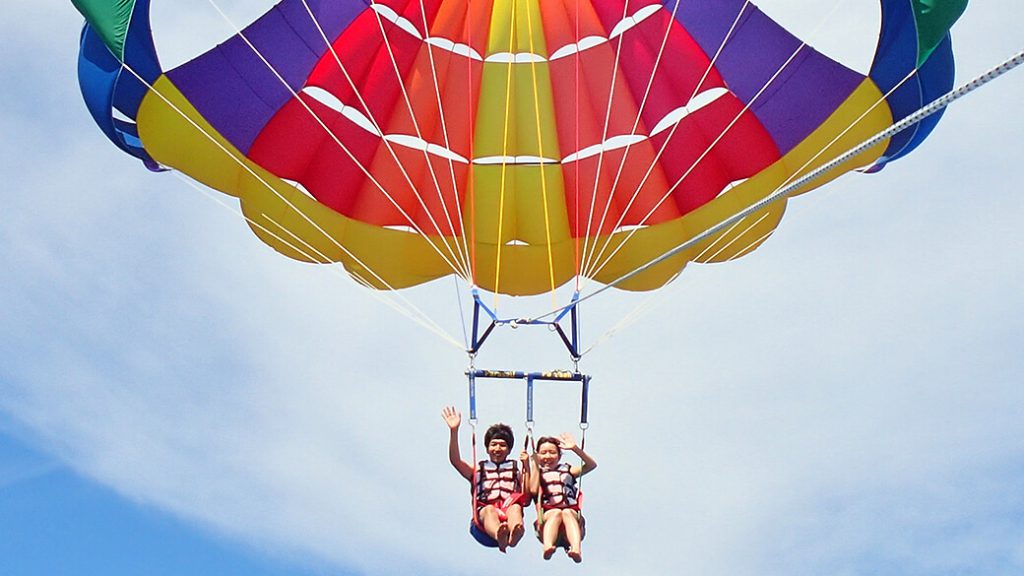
(516, 534)
(502, 537)
(576, 556)
(549, 552)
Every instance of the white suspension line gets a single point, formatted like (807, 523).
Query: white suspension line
(650, 83)
(576, 193)
(636, 124)
(266, 184)
(655, 297)
(235, 159)
(462, 313)
(784, 192)
(736, 237)
(347, 152)
(412, 312)
(668, 193)
(472, 111)
(416, 125)
(839, 136)
(604, 135)
(796, 172)
(447, 142)
(387, 143)
(710, 147)
(645, 306)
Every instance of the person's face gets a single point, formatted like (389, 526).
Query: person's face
(497, 449)
(548, 455)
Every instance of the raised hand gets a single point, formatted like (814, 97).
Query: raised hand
(567, 442)
(451, 417)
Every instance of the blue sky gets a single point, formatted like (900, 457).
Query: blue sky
(177, 398)
(57, 522)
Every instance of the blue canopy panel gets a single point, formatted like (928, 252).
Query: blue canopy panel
(896, 59)
(109, 85)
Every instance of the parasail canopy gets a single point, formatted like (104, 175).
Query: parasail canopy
(517, 143)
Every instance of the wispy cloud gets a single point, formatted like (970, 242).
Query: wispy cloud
(844, 401)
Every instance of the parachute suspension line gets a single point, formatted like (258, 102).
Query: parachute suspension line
(456, 269)
(419, 133)
(447, 142)
(576, 195)
(587, 244)
(462, 313)
(504, 154)
(721, 47)
(344, 149)
(735, 238)
(471, 178)
(643, 104)
(747, 247)
(629, 144)
(782, 193)
(385, 140)
(410, 310)
(416, 125)
(710, 147)
(423, 319)
(668, 194)
(656, 297)
(358, 94)
(643, 306)
(540, 153)
(241, 164)
(824, 148)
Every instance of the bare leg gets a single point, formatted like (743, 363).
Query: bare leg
(494, 527)
(572, 533)
(552, 527)
(515, 524)
(502, 537)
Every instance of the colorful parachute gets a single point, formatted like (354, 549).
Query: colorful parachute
(518, 143)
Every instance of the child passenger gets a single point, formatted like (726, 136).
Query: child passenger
(559, 522)
(500, 483)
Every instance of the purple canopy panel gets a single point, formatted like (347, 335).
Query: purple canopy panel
(236, 91)
(799, 99)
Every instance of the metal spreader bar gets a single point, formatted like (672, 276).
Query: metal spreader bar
(531, 377)
(571, 339)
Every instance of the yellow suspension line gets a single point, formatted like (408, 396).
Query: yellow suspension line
(540, 153)
(504, 154)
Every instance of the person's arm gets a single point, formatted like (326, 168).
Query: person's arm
(454, 420)
(567, 442)
(529, 466)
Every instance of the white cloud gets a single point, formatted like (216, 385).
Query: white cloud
(843, 401)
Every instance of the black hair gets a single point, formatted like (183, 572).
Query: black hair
(501, 432)
(550, 440)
